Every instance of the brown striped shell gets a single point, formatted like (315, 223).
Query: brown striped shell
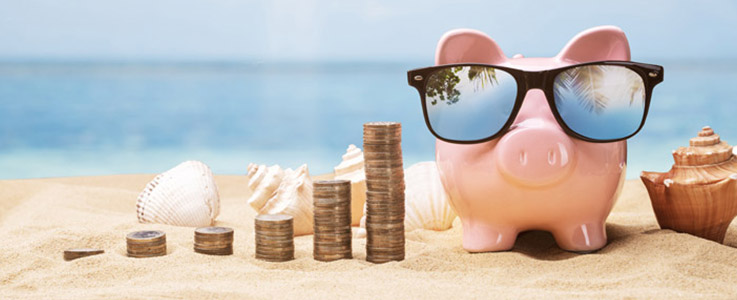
(699, 194)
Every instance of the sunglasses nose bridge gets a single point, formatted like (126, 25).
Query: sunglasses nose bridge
(534, 106)
(534, 80)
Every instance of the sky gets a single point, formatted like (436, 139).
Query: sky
(337, 30)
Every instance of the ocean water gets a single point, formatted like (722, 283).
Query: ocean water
(73, 119)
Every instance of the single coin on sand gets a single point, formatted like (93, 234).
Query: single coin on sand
(72, 254)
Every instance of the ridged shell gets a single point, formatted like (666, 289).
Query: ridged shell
(292, 195)
(352, 168)
(427, 204)
(699, 194)
(263, 182)
(186, 195)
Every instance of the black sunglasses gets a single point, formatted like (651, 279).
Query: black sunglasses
(603, 101)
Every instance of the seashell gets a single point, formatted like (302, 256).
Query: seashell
(351, 168)
(186, 195)
(427, 204)
(263, 182)
(277, 191)
(699, 194)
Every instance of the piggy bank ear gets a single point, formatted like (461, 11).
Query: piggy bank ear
(598, 43)
(467, 46)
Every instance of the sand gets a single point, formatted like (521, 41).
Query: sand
(40, 218)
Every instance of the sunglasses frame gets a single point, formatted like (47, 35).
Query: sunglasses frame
(544, 80)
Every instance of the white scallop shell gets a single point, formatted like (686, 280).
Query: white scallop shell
(292, 195)
(427, 204)
(186, 195)
(351, 168)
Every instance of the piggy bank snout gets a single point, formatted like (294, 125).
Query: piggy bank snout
(535, 153)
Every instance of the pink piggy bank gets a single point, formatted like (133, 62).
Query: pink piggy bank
(534, 175)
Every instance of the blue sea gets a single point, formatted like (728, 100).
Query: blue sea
(74, 119)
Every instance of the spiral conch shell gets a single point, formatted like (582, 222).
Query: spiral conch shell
(352, 168)
(277, 191)
(427, 204)
(699, 194)
(183, 196)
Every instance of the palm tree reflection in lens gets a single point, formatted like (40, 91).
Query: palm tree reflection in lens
(442, 84)
(597, 87)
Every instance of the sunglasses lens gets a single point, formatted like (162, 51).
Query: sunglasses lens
(600, 102)
(468, 103)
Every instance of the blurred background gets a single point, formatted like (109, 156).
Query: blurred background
(91, 87)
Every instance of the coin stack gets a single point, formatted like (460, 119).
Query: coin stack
(72, 254)
(332, 209)
(213, 240)
(274, 238)
(385, 191)
(146, 243)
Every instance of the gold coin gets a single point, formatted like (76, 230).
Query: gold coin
(213, 230)
(335, 183)
(371, 155)
(379, 136)
(386, 242)
(332, 257)
(146, 244)
(383, 163)
(381, 131)
(286, 252)
(344, 237)
(396, 225)
(391, 174)
(212, 247)
(146, 255)
(376, 139)
(213, 238)
(274, 248)
(72, 254)
(385, 214)
(265, 244)
(333, 211)
(272, 232)
(386, 149)
(224, 251)
(274, 259)
(273, 219)
(333, 220)
(274, 242)
(145, 236)
(324, 246)
(381, 260)
(332, 201)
